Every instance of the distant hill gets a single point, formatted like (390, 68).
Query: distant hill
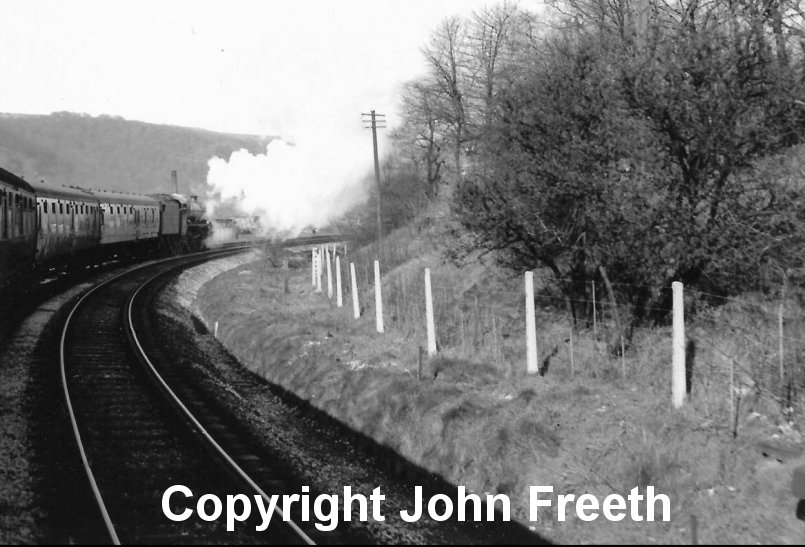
(113, 153)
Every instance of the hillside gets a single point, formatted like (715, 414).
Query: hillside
(590, 423)
(114, 153)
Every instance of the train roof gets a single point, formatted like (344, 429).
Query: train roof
(125, 199)
(48, 190)
(169, 197)
(17, 182)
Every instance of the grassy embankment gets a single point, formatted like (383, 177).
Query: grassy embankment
(604, 426)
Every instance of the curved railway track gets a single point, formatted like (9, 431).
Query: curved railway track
(123, 414)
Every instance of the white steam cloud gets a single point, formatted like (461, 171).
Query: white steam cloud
(297, 183)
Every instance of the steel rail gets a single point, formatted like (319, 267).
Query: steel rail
(63, 371)
(188, 415)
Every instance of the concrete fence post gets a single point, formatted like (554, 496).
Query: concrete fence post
(318, 270)
(356, 310)
(595, 323)
(781, 349)
(530, 325)
(312, 267)
(678, 365)
(339, 298)
(327, 256)
(285, 275)
(429, 315)
(378, 299)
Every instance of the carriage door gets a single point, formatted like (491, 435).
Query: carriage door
(3, 215)
(20, 203)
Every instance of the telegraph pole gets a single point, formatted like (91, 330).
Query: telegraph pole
(373, 119)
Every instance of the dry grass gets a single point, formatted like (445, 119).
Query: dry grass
(477, 419)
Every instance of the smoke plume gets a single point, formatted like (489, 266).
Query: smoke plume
(298, 183)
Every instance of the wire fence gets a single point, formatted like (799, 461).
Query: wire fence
(741, 355)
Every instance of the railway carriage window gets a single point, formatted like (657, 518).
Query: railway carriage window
(61, 208)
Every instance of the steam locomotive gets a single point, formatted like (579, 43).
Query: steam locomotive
(48, 226)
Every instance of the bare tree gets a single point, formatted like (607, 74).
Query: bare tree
(450, 72)
(424, 131)
(490, 34)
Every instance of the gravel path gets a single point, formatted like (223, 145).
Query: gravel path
(21, 514)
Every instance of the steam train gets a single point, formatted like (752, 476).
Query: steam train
(48, 226)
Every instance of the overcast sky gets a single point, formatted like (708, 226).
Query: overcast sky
(260, 67)
(300, 69)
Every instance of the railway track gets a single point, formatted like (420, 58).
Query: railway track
(124, 418)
